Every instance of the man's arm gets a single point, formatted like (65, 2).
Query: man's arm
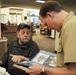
(18, 58)
(68, 70)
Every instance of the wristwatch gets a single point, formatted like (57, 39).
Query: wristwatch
(43, 71)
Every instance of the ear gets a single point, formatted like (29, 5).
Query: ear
(51, 14)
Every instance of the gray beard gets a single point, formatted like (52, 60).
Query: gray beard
(23, 42)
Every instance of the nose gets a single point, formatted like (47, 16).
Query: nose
(25, 34)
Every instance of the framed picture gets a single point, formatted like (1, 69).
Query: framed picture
(43, 58)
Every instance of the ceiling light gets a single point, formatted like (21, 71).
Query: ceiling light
(40, 1)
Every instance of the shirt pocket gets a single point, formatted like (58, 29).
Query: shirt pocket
(60, 49)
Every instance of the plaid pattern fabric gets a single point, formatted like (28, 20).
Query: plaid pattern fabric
(28, 50)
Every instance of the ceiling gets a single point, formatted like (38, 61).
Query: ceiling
(28, 3)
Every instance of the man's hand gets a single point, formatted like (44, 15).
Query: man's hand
(35, 69)
(18, 58)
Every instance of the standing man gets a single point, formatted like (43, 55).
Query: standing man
(54, 16)
(23, 48)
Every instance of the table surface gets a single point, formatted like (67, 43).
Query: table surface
(3, 39)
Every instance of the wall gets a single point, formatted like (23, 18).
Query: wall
(5, 12)
(70, 6)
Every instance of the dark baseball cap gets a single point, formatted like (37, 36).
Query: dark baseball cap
(22, 25)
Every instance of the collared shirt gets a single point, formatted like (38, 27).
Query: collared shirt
(28, 50)
(66, 52)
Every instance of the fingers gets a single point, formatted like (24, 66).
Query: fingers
(35, 69)
(31, 70)
(18, 58)
(11, 55)
(25, 59)
(15, 58)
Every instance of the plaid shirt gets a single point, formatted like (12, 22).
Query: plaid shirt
(28, 50)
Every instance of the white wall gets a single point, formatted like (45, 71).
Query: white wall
(5, 12)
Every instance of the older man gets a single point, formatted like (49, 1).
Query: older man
(23, 48)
